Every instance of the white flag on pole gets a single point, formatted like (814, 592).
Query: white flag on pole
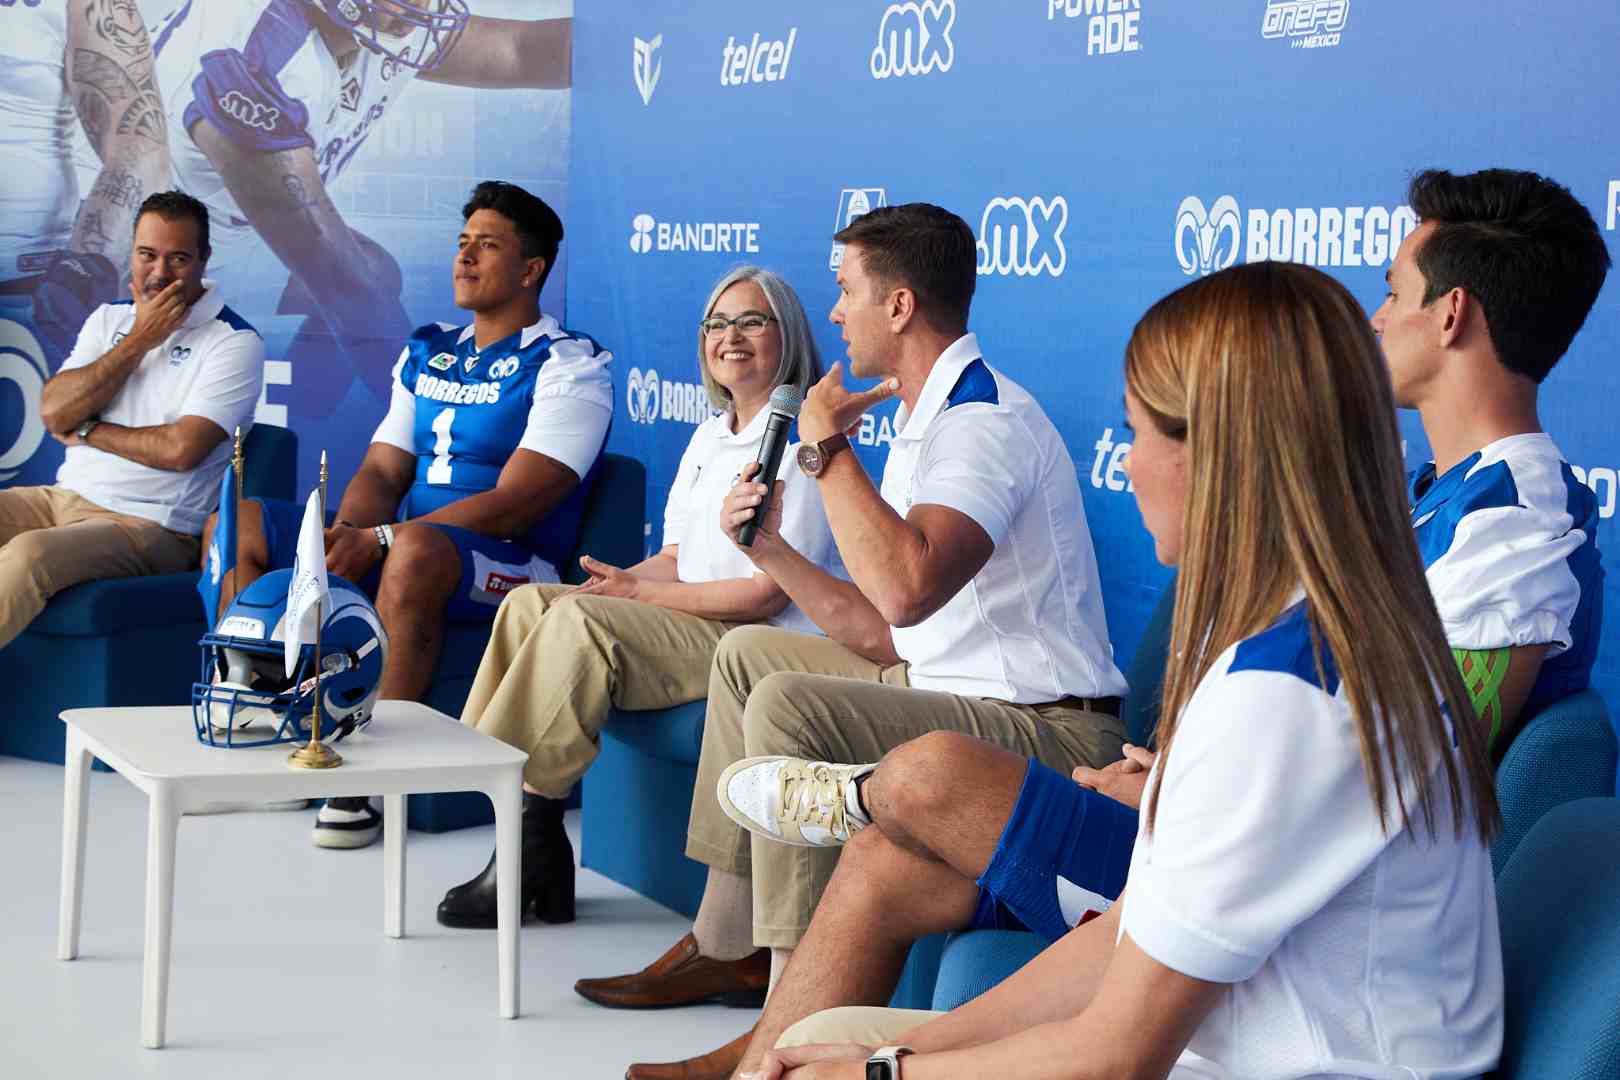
(308, 586)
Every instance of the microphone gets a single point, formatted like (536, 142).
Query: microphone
(784, 407)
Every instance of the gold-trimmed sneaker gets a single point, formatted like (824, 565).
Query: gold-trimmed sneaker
(799, 802)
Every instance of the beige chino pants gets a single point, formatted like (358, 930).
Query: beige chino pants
(552, 671)
(52, 538)
(773, 691)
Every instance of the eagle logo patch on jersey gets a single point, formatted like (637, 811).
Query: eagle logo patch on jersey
(442, 362)
(351, 95)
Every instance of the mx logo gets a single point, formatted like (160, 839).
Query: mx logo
(1207, 240)
(647, 67)
(854, 203)
(1023, 237)
(915, 39)
(641, 395)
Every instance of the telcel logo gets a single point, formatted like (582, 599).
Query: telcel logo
(915, 39)
(756, 62)
(1023, 236)
(1108, 467)
(1113, 25)
(853, 203)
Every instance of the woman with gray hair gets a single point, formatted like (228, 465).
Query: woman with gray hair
(643, 637)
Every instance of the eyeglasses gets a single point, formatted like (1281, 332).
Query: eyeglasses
(751, 323)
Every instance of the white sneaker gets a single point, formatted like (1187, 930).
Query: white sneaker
(232, 806)
(804, 803)
(350, 822)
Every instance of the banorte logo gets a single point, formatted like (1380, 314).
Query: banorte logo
(22, 362)
(649, 234)
(915, 39)
(641, 240)
(1023, 236)
(1210, 239)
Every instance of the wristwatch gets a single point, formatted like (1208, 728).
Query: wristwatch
(813, 457)
(83, 430)
(885, 1064)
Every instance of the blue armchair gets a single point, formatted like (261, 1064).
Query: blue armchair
(125, 641)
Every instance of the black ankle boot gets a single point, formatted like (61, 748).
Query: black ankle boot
(548, 874)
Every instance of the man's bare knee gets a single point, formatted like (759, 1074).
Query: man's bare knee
(915, 780)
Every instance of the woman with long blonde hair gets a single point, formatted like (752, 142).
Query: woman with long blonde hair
(1310, 892)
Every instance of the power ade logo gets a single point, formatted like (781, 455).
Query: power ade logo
(1112, 27)
(1023, 237)
(648, 234)
(648, 399)
(1328, 236)
(756, 62)
(1306, 24)
(915, 39)
(853, 203)
(646, 70)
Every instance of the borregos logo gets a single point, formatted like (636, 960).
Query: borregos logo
(649, 399)
(1209, 239)
(757, 62)
(1112, 26)
(1023, 237)
(1305, 24)
(853, 203)
(915, 39)
(641, 395)
(647, 234)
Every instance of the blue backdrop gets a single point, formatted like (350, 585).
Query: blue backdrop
(1105, 151)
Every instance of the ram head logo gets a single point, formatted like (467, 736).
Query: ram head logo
(1207, 240)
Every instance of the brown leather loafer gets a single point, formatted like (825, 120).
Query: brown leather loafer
(684, 977)
(715, 1065)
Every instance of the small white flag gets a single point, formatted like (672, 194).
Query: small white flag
(308, 586)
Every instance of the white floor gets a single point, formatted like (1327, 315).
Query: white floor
(281, 968)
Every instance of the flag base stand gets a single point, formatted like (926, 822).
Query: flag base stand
(314, 755)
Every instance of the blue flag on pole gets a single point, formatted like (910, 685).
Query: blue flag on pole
(221, 548)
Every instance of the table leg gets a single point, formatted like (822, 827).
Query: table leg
(394, 865)
(508, 881)
(75, 812)
(162, 822)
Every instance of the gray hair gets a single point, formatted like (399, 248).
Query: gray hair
(801, 359)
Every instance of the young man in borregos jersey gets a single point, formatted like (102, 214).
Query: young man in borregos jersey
(475, 480)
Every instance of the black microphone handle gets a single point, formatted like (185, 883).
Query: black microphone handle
(772, 445)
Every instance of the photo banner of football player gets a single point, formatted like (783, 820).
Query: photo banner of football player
(334, 143)
(1105, 152)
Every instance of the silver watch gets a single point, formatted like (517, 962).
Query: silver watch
(83, 430)
(885, 1063)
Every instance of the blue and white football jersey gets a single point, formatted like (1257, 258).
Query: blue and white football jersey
(1509, 538)
(463, 412)
(41, 191)
(261, 73)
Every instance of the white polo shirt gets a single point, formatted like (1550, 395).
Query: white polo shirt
(1347, 952)
(1029, 627)
(709, 468)
(212, 367)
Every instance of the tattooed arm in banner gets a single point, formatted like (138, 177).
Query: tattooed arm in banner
(110, 80)
(508, 53)
(351, 283)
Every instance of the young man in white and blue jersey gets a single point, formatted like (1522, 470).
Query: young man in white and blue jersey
(1484, 299)
(475, 480)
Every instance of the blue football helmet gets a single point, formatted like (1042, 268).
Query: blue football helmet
(245, 697)
(414, 33)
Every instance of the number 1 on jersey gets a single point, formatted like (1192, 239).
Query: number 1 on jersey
(439, 471)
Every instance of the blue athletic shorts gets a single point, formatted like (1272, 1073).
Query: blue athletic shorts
(490, 568)
(1062, 842)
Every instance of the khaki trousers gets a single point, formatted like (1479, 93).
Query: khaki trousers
(773, 691)
(52, 538)
(865, 1025)
(553, 670)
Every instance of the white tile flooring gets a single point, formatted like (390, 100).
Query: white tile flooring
(281, 968)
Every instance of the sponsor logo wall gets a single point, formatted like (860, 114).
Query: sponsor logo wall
(1104, 152)
(396, 155)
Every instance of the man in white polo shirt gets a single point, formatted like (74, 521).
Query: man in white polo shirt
(974, 604)
(144, 404)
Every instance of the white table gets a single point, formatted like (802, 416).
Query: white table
(408, 748)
